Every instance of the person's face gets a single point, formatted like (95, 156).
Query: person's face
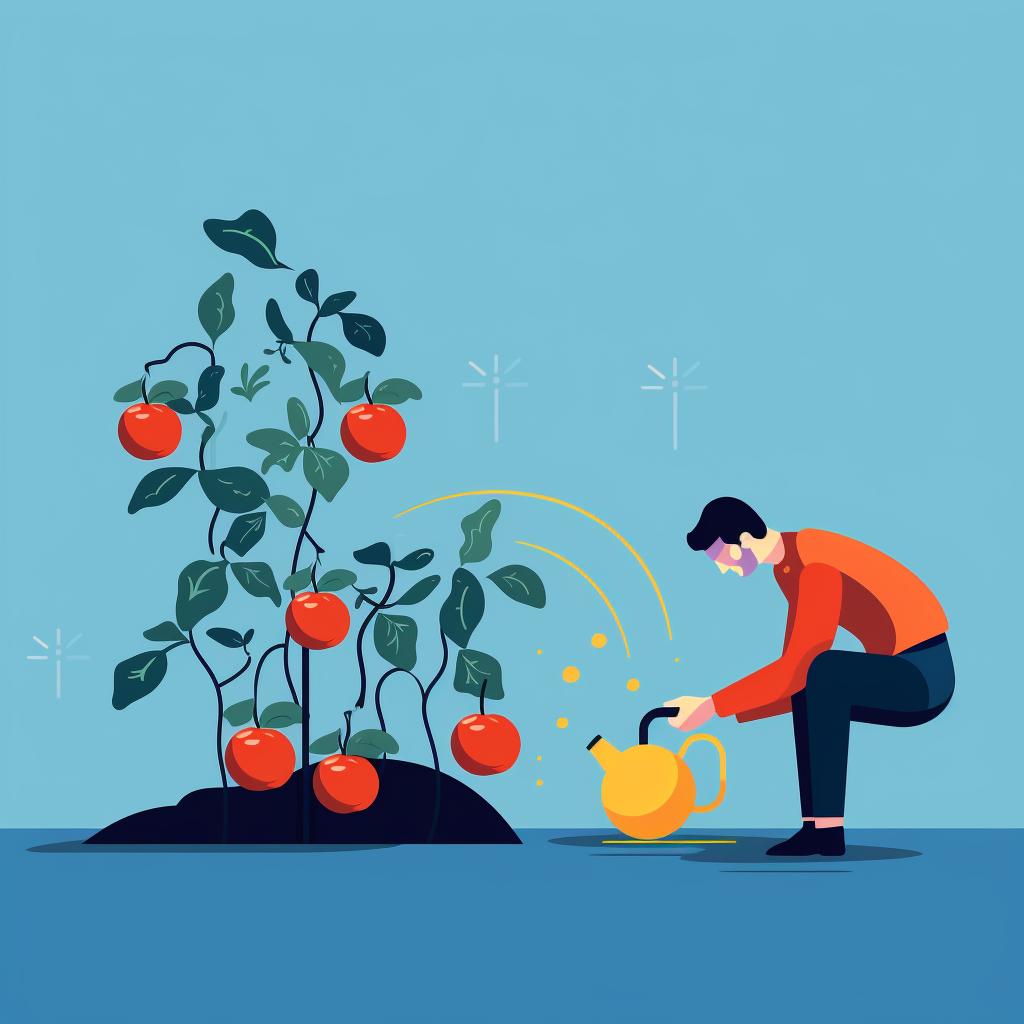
(732, 558)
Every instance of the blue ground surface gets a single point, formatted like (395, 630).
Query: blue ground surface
(913, 925)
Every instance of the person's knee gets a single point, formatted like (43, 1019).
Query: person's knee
(821, 676)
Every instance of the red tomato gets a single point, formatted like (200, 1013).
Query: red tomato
(260, 758)
(317, 621)
(344, 783)
(373, 433)
(485, 744)
(149, 431)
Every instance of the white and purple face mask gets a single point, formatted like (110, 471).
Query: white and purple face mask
(722, 555)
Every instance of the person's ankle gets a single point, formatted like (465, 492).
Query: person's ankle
(826, 822)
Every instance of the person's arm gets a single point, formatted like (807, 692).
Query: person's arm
(814, 621)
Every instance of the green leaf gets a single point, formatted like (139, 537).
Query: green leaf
(395, 391)
(250, 387)
(288, 511)
(166, 632)
(375, 554)
(209, 388)
(258, 579)
(327, 744)
(248, 636)
(336, 303)
(364, 332)
(182, 406)
(245, 532)
(298, 418)
(166, 391)
(463, 608)
(137, 676)
(307, 284)
(371, 743)
(158, 487)
(326, 471)
(520, 583)
(476, 529)
(251, 235)
(353, 390)
(234, 488)
(216, 312)
(202, 589)
(301, 580)
(225, 637)
(240, 713)
(325, 361)
(129, 392)
(280, 715)
(420, 590)
(418, 559)
(336, 579)
(275, 321)
(472, 668)
(282, 449)
(394, 636)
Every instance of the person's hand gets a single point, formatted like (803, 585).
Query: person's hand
(693, 712)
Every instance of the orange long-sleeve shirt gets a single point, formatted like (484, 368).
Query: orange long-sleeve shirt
(830, 581)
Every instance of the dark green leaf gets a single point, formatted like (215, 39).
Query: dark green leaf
(325, 361)
(182, 406)
(472, 668)
(418, 559)
(326, 471)
(159, 487)
(251, 235)
(375, 554)
(300, 580)
(225, 637)
(258, 579)
(288, 511)
(353, 390)
(245, 532)
(275, 321)
(336, 303)
(364, 332)
(395, 391)
(336, 579)
(137, 676)
(463, 608)
(298, 418)
(307, 284)
(521, 583)
(130, 392)
(394, 636)
(234, 488)
(202, 589)
(328, 744)
(280, 715)
(165, 391)
(166, 632)
(371, 743)
(240, 713)
(216, 312)
(476, 529)
(209, 388)
(420, 590)
(282, 449)
(248, 635)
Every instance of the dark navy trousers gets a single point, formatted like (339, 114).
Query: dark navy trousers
(900, 690)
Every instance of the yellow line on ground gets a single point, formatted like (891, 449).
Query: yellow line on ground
(601, 593)
(668, 842)
(575, 508)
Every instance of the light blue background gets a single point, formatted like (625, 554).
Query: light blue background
(821, 203)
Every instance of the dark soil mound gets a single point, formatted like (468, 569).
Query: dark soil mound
(402, 813)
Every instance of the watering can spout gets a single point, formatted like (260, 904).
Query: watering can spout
(605, 753)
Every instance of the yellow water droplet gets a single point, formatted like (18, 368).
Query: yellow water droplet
(539, 651)
(538, 757)
(540, 782)
(675, 659)
(632, 685)
(562, 723)
(570, 673)
(598, 640)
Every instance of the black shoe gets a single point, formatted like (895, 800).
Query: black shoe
(825, 842)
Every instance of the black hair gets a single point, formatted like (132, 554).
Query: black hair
(725, 518)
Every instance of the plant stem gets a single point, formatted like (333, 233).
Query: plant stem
(177, 348)
(483, 690)
(380, 684)
(366, 388)
(362, 632)
(287, 668)
(306, 779)
(220, 734)
(430, 736)
(209, 533)
(256, 681)
(348, 732)
(240, 672)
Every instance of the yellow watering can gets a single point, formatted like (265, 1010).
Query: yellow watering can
(647, 791)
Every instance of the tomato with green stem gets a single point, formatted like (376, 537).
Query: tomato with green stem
(485, 744)
(344, 783)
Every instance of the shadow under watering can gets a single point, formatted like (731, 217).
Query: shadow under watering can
(647, 791)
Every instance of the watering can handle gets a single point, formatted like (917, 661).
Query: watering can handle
(651, 716)
(720, 796)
